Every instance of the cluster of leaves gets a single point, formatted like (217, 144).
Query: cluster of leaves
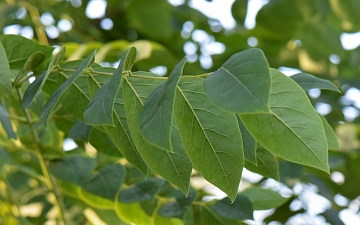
(245, 114)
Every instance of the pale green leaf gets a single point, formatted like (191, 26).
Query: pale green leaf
(105, 182)
(141, 191)
(330, 134)
(249, 143)
(307, 81)
(50, 104)
(5, 79)
(263, 199)
(242, 84)
(132, 213)
(33, 61)
(267, 164)
(215, 151)
(173, 166)
(240, 209)
(157, 114)
(6, 123)
(100, 109)
(292, 130)
(35, 87)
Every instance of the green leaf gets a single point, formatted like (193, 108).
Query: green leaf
(215, 151)
(94, 200)
(178, 208)
(141, 191)
(5, 79)
(242, 84)
(35, 87)
(119, 134)
(50, 104)
(105, 182)
(80, 131)
(249, 143)
(293, 129)
(6, 123)
(308, 81)
(157, 114)
(73, 169)
(103, 143)
(33, 61)
(240, 209)
(173, 166)
(330, 134)
(267, 164)
(132, 213)
(18, 49)
(100, 109)
(263, 199)
(208, 216)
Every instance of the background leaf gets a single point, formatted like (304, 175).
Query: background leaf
(308, 81)
(6, 123)
(249, 143)
(179, 207)
(240, 209)
(5, 78)
(141, 191)
(263, 199)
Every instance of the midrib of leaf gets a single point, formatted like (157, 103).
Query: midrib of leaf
(207, 138)
(312, 151)
(77, 86)
(242, 85)
(166, 152)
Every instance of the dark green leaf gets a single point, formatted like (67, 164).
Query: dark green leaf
(100, 109)
(242, 84)
(141, 191)
(173, 166)
(249, 143)
(215, 151)
(73, 169)
(267, 164)
(263, 199)
(308, 81)
(330, 134)
(240, 209)
(6, 124)
(5, 79)
(208, 216)
(80, 131)
(36, 86)
(179, 207)
(105, 182)
(283, 213)
(103, 143)
(157, 114)
(293, 129)
(60, 91)
(332, 217)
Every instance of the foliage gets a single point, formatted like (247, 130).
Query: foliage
(238, 113)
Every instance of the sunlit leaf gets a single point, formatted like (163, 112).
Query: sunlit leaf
(157, 114)
(242, 84)
(50, 104)
(132, 213)
(94, 200)
(215, 151)
(292, 130)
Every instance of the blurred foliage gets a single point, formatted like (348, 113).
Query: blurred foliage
(300, 34)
